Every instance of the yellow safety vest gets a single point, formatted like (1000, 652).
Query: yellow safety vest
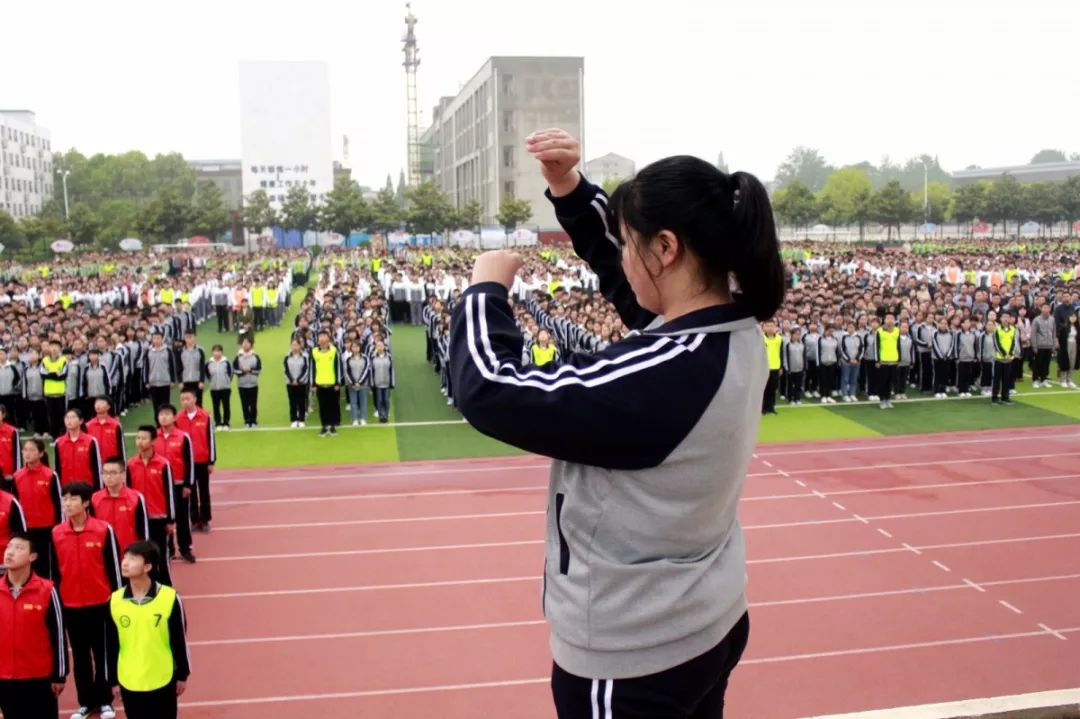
(326, 367)
(258, 296)
(185, 297)
(167, 297)
(773, 344)
(428, 259)
(888, 345)
(1005, 342)
(1009, 275)
(66, 300)
(542, 356)
(271, 297)
(145, 662)
(54, 387)
(376, 265)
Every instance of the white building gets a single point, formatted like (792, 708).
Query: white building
(609, 167)
(477, 139)
(26, 166)
(285, 129)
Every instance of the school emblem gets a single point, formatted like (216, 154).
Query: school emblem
(125, 621)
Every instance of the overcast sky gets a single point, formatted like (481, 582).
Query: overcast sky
(983, 82)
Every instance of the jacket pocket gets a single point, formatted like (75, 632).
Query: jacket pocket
(564, 548)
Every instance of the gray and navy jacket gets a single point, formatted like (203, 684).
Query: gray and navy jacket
(159, 368)
(943, 345)
(794, 357)
(219, 374)
(645, 562)
(852, 347)
(297, 368)
(967, 346)
(250, 362)
(193, 365)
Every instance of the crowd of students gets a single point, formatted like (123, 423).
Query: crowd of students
(965, 322)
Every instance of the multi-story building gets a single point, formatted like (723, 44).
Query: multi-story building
(609, 167)
(228, 177)
(26, 167)
(478, 136)
(285, 129)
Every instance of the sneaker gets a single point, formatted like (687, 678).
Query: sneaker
(363, 423)
(889, 405)
(1072, 385)
(82, 713)
(356, 423)
(333, 431)
(223, 428)
(995, 400)
(874, 398)
(187, 557)
(324, 433)
(883, 405)
(1064, 385)
(107, 712)
(824, 400)
(1006, 401)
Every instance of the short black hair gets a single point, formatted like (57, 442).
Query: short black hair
(103, 398)
(25, 536)
(82, 490)
(149, 429)
(166, 408)
(74, 410)
(217, 347)
(146, 549)
(188, 390)
(115, 459)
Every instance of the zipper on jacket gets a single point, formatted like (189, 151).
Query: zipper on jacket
(564, 548)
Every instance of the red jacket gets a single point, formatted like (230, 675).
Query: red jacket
(126, 514)
(87, 563)
(78, 460)
(201, 430)
(38, 490)
(153, 480)
(10, 449)
(32, 632)
(11, 518)
(177, 448)
(110, 437)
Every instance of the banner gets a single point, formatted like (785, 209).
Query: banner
(62, 246)
(131, 244)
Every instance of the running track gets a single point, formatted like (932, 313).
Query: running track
(883, 573)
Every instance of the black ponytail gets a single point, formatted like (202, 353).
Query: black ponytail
(725, 221)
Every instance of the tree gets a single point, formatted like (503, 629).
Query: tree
(119, 220)
(513, 212)
(297, 211)
(258, 212)
(389, 184)
(845, 199)
(1042, 203)
(892, 206)
(795, 205)
(210, 217)
(400, 194)
(1004, 201)
(939, 203)
(721, 164)
(1044, 156)
(83, 224)
(805, 165)
(1069, 197)
(469, 215)
(386, 215)
(167, 215)
(345, 209)
(10, 236)
(429, 210)
(611, 183)
(969, 203)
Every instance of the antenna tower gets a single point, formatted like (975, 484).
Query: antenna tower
(412, 61)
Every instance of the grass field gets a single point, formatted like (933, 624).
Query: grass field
(423, 427)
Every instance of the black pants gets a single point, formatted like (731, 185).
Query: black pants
(249, 404)
(827, 379)
(926, 371)
(941, 375)
(158, 704)
(222, 401)
(194, 387)
(1003, 380)
(1042, 364)
(886, 377)
(794, 386)
(200, 494)
(329, 406)
(901, 379)
(159, 535)
(812, 374)
(768, 402)
(1063, 350)
(693, 690)
(159, 396)
(183, 519)
(298, 394)
(57, 407)
(967, 374)
(987, 374)
(868, 378)
(27, 699)
(89, 653)
(134, 390)
(38, 412)
(222, 318)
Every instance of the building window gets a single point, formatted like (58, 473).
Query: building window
(254, 170)
(262, 184)
(312, 183)
(507, 84)
(508, 121)
(508, 189)
(271, 183)
(508, 155)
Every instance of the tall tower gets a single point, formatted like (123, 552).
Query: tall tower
(412, 61)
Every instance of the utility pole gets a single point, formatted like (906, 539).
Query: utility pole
(412, 62)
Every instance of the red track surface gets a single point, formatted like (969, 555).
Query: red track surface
(884, 573)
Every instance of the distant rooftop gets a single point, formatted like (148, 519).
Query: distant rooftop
(1043, 172)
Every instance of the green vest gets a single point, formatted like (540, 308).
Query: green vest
(326, 374)
(773, 345)
(1003, 351)
(167, 296)
(54, 387)
(145, 662)
(542, 356)
(888, 345)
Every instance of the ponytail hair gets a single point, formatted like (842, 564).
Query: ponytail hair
(725, 221)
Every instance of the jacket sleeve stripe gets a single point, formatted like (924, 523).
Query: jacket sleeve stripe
(601, 209)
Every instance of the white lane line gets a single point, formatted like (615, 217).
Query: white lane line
(800, 482)
(941, 566)
(366, 634)
(900, 465)
(996, 438)
(367, 496)
(916, 515)
(974, 585)
(996, 706)
(884, 532)
(1056, 633)
(367, 552)
(361, 522)
(767, 463)
(839, 506)
(818, 494)
(862, 519)
(326, 474)
(911, 548)
(1008, 606)
(361, 588)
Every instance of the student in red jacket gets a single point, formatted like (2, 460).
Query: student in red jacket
(150, 474)
(88, 572)
(197, 423)
(12, 519)
(119, 505)
(31, 620)
(106, 430)
(78, 458)
(38, 490)
(10, 459)
(175, 445)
